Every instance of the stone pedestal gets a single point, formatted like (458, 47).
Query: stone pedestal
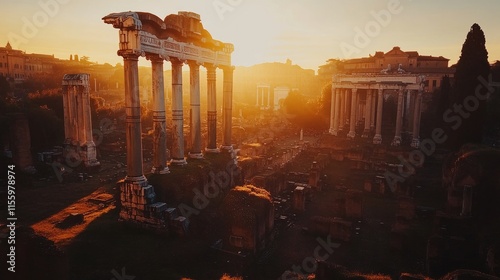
(299, 199)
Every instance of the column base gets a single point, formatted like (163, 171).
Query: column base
(351, 134)
(227, 149)
(178, 162)
(415, 143)
(396, 142)
(377, 139)
(137, 180)
(160, 170)
(212, 150)
(198, 155)
(333, 132)
(366, 133)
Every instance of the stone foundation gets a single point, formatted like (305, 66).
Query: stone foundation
(139, 205)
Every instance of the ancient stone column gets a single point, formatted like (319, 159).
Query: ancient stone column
(195, 125)
(177, 154)
(268, 90)
(415, 142)
(332, 112)
(368, 105)
(411, 111)
(342, 109)
(352, 125)
(373, 103)
(377, 139)
(347, 107)
(399, 119)
(337, 111)
(66, 110)
(159, 121)
(257, 96)
(407, 113)
(212, 109)
(227, 100)
(133, 121)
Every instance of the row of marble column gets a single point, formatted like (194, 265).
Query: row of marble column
(263, 96)
(346, 110)
(133, 114)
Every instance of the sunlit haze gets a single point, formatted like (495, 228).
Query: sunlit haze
(306, 32)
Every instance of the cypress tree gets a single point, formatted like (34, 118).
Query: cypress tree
(473, 63)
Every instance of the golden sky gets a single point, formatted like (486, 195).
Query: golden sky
(306, 31)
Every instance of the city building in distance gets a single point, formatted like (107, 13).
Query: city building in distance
(394, 61)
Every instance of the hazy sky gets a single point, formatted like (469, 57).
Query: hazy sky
(306, 31)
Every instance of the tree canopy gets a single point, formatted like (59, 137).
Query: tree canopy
(472, 65)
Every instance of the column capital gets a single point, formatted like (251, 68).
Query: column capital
(193, 63)
(227, 68)
(128, 55)
(176, 61)
(155, 57)
(210, 66)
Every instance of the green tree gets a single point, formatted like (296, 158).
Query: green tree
(302, 112)
(326, 99)
(473, 63)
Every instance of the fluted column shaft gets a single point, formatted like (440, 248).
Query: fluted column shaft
(337, 112)
(342, 109)
(159, 121)
(195, 116)
(133, 119)
(352, 124)
(332, 111)
(212, 108)
(377, 139)
(415, 143)
(177, 114)
(368, 105)
(227, 98)
(399, 119)
(373, 103)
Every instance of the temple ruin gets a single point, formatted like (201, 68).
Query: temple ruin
(359, 99)
(77, 119)
(181, 39)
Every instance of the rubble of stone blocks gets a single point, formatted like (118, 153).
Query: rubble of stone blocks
(139, 205)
